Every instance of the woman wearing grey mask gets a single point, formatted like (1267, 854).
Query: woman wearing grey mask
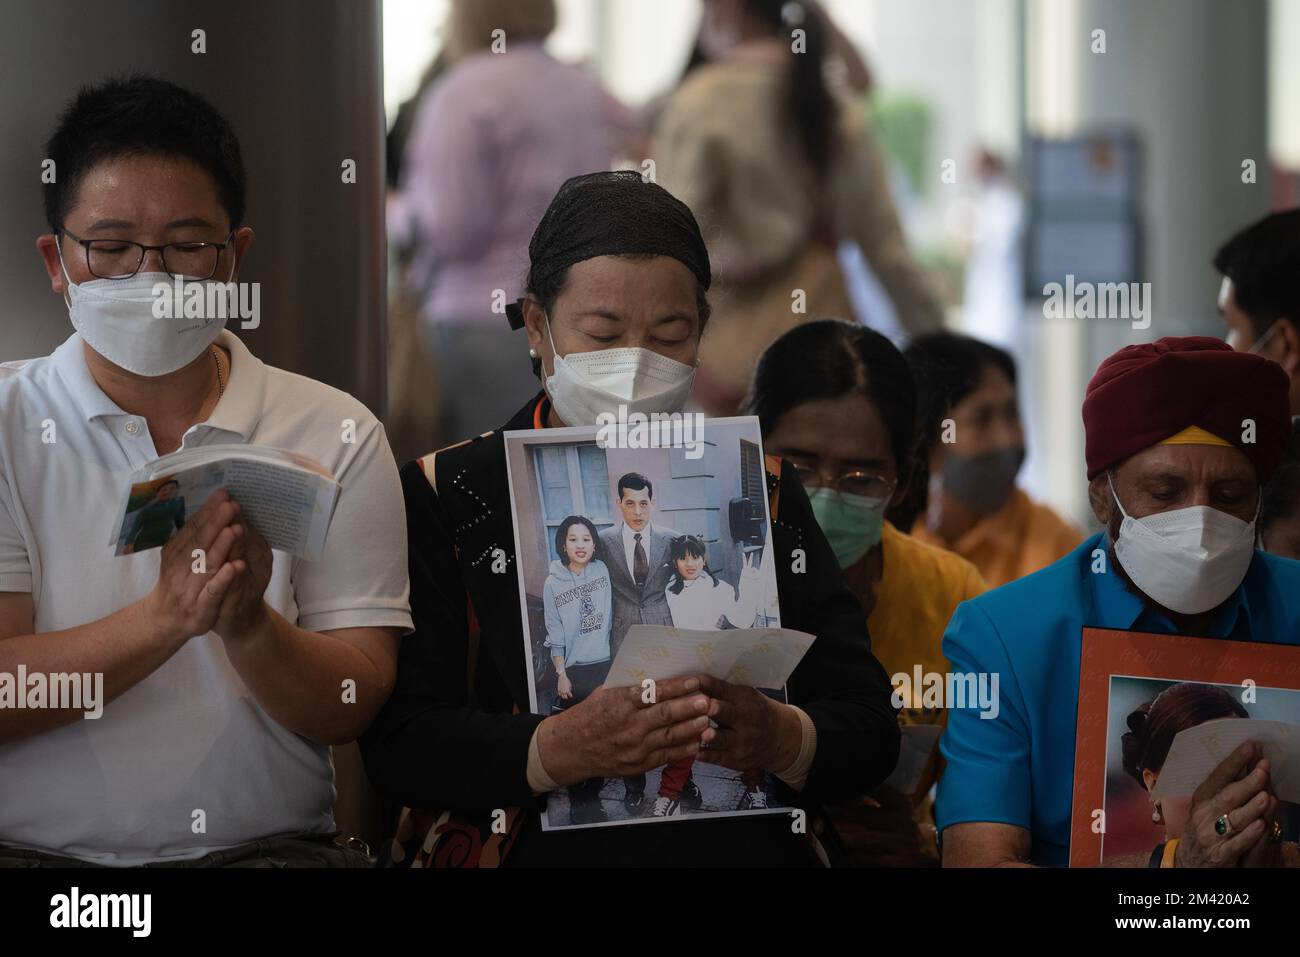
(970, 502)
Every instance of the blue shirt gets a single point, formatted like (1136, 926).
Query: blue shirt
(1018, 767)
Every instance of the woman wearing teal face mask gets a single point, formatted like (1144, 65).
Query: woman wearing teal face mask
(838, 401)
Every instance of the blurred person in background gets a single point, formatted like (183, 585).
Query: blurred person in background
(495, 137)
(1260, 304)
(808, 384)
(994, 284)
(1279, 513)
(974, 445)
(846, 70)
(778, 171)
(1260, 296)
(414, 409)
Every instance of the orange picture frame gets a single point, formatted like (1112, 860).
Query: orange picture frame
(1108, 654)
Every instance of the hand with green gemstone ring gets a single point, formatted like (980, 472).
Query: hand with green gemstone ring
(1231, 813)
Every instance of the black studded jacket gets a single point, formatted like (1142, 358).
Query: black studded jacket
(436, 744)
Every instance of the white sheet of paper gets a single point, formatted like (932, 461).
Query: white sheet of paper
(1198, 750)
(914, 753)
(757, 657)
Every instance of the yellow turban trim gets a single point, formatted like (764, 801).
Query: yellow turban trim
(1194, 435)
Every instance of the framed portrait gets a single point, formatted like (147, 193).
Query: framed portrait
(1156, 715)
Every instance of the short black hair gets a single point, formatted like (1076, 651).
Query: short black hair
(1263, 261)
(1281, 496)
(946, 367)
(679, 547)
(829, 358)
(562, 533)
(635, 481)
(137, 115)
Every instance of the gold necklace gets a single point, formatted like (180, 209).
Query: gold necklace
(221, 388)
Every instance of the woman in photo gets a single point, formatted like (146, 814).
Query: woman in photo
(697, 598)
(577, 599)
(1152, 727)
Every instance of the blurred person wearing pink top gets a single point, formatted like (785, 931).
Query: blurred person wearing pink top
(491, 143)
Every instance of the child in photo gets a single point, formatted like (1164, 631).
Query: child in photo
(578, 602)
(697, 598)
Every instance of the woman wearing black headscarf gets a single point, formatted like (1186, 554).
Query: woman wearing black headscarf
(615, 264)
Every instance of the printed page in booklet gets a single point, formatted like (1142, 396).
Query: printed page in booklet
(289, 498)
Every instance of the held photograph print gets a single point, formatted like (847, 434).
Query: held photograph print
(1157, 713)
(608, 537)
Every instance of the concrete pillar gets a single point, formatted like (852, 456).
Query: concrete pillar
(1190, 77)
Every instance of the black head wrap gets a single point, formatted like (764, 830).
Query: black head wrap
(611, 214)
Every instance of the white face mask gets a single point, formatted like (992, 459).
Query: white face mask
(1189, 559)
(585, 384)
(116, 318)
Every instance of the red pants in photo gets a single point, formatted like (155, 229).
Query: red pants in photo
(678, 773)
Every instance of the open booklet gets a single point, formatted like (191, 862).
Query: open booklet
(289, 498)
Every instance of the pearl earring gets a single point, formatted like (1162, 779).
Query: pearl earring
(532, 353)
(1157, 815)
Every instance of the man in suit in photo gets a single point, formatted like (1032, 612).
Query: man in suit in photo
(636, 551)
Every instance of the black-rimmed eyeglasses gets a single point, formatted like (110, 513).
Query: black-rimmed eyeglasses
(122, 259)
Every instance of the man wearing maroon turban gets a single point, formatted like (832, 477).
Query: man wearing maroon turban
(1180, 436)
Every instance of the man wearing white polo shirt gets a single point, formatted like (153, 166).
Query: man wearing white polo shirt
(223, 688)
